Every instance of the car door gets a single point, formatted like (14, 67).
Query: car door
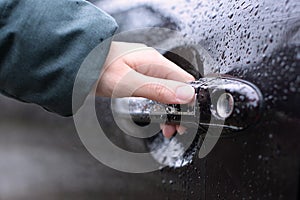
(255, 41)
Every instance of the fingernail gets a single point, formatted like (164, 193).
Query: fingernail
(185, 93)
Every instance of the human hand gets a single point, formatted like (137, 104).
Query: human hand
(133, 69)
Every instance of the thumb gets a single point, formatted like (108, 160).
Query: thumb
(162, 90)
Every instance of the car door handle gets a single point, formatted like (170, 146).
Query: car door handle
(226, 102)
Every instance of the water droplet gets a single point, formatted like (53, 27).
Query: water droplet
(213, 16)
(270, 38)
(298, 56)
(265, 48)
(284, 98)
(292, 89)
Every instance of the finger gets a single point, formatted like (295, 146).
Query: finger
(180, 129)
(165, 91)
(162, 90)
(147, 60)
(150, 62)
(168, 130)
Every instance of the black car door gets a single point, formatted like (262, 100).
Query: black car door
(256, 41)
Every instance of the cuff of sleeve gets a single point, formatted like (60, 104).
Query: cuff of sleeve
(88, 69)
(88, 74)
(46, 44)
(88, 53)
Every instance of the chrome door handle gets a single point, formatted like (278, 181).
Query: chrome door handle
(233, 103)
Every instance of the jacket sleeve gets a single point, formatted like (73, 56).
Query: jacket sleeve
(42, 46)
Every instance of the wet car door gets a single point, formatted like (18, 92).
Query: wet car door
(255, 41)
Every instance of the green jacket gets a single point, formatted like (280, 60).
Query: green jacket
(42, 45)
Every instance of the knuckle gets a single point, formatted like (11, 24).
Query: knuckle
(160, 92)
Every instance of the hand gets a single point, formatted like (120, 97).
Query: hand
(133, 69)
